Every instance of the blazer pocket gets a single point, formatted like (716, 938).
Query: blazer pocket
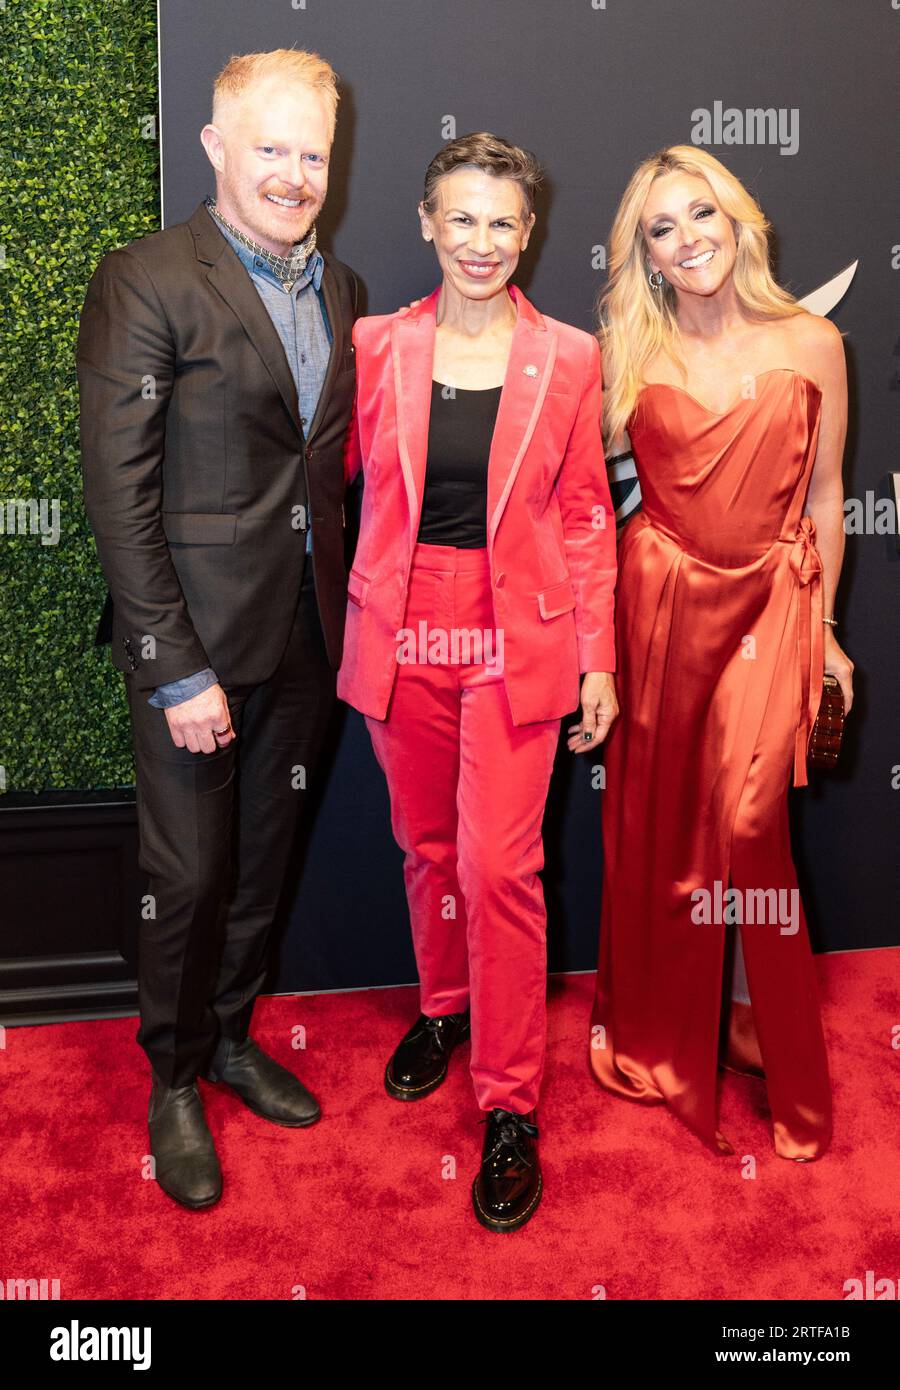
(559, 598)
(357, 588)
(199, 528)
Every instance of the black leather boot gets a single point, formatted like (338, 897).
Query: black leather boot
(507, 1189)
(419, 1064)
(186, 1165)
(264, 1085)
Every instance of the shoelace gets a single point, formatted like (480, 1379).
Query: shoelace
(512, 1130)
(437, 1029)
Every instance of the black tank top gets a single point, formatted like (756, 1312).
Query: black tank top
(460, 430)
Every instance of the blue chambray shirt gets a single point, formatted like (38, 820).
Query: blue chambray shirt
(301, 322)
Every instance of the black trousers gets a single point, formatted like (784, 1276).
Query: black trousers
(216, 835)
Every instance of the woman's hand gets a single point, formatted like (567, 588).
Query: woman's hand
(837, 663)
(599, 708)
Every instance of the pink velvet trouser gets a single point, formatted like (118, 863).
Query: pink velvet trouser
(467, 790)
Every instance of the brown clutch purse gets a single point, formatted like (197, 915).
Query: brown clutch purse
(825, 739)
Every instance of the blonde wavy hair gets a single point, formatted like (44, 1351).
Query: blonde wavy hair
(244, 70)
(637, 321)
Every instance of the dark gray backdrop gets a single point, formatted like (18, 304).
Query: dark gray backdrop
(592, 88)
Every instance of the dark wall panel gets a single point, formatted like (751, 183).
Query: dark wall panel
(592, 88)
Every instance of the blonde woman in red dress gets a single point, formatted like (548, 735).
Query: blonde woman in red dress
(735, 401)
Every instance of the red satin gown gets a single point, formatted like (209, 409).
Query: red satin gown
(719, 674)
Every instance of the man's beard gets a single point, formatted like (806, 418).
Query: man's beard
(265, 226)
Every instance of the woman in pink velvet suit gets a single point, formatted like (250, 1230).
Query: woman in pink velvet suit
(480, 593)
(735, 400)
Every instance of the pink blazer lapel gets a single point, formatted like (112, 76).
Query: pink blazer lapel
(530, 368)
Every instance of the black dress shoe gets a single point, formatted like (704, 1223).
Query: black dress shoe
(185, 1160)
(508, 1186)
(419, 1064)
(264, 1085)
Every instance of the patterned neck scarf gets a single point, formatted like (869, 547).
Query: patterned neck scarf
(287, 269)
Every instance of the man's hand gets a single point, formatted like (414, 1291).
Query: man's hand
(599, 708)
(197, 724)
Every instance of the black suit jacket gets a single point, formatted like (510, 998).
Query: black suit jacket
(197, 475)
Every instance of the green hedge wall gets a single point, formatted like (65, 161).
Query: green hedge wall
(79, 175)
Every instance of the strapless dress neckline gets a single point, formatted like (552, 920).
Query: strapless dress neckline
(723, 414)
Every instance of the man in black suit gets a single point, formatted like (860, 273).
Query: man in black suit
(216, 374)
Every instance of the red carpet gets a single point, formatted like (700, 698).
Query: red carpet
(357, 1208)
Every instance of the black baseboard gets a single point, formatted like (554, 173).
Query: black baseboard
(70, 892)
